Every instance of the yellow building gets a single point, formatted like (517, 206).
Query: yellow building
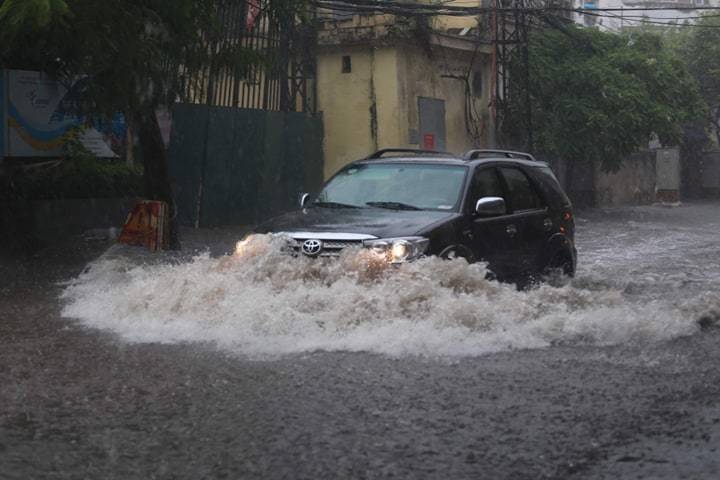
(383, 81)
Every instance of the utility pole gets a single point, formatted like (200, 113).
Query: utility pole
(510, 23)
(523, 38)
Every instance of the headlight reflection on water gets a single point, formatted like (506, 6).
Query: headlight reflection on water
(242, 245)
(251, 246)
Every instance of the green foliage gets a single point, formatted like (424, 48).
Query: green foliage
(16, 15)
(78, 175)
(72, 178)
(137, 54)
(701, 49)
(600, 96)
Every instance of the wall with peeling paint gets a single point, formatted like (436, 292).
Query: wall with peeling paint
(359, 107)
(442, 76)
(376, 104)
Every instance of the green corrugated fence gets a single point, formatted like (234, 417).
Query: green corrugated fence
(232, 166)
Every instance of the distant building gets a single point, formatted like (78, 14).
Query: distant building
(387, 81)
(635, 13)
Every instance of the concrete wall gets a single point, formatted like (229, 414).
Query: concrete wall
(645, 177)
(348, 102)
(711, 173)
(633, 184)
(441, 77)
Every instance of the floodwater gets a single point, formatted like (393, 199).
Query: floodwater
(638, 282)
(265, 366)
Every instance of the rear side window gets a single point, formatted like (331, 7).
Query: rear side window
(522, 193)
(550, 187)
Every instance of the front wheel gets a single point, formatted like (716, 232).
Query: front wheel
(454, 251)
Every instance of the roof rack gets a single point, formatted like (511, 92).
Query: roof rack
(382, 152)
(480, 153)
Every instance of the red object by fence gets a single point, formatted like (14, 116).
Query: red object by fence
(147, 225)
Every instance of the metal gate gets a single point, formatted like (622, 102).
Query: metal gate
(275, 59)
(245, 166)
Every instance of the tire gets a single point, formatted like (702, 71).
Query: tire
(559, 270)
(454, 251)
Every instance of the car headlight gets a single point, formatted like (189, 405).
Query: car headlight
(398, 250)
(243, 245)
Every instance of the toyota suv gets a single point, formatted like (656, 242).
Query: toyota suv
(496, 206)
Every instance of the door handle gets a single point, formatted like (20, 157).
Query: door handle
(511, 230)
(547, 223)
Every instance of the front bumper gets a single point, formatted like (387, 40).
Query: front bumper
(332, 244)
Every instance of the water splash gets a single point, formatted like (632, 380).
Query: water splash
(265, 303)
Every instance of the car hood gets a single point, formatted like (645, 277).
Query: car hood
(382, 223)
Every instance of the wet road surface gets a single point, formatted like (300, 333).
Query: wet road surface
(113, 402)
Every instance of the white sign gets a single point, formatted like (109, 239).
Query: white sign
(40, 111)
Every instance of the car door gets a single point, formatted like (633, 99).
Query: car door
(529, 215)
(493, 239)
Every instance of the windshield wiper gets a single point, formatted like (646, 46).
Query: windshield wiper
(393, 205)
(334, 205)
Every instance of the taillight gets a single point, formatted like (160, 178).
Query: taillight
(567, 224)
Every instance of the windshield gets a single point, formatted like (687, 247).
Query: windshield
(397, 186)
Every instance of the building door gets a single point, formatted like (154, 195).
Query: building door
(431, 112)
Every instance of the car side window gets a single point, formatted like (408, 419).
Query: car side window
(522, 193)
(486, 183)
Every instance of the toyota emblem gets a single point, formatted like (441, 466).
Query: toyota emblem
(312, 247)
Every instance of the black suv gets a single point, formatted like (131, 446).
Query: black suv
(497, 206)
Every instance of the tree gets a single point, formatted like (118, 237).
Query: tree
(130, 53)
(701, 48)
(599, 96)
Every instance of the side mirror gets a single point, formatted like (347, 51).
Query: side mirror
(303, 198)
(490, 206)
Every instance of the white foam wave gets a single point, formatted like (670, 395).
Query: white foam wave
(266, 303)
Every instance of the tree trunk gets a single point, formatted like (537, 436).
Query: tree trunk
(129, 142)
(716, 125)
(569, 175)
(155, 175)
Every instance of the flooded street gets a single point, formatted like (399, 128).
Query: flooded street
(264, 366)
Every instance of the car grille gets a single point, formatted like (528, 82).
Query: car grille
(330, 248)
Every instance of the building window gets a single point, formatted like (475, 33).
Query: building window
(346, 64)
